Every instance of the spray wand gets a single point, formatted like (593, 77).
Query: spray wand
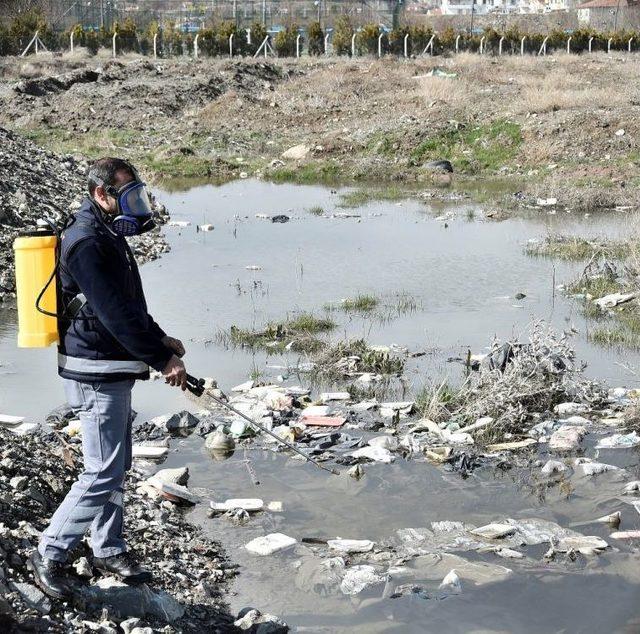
(196, 387)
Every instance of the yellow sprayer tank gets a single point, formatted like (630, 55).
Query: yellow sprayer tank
(35, 257)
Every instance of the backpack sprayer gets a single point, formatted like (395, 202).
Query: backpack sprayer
(37, 257)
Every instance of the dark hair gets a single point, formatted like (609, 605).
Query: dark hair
(104, 170)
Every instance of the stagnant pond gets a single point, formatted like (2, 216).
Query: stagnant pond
(462, 274)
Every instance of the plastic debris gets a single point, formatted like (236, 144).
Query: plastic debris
(334, 396)
(619, 441)
(612, 300)
(568, 409)
(269, 544)
(511, 446)
(351, 545)
(149, 451)
(357, 578)
(376, 454)
(594, 468)
(251, 505)
(494, 531)
(625, 535)
(324, 421)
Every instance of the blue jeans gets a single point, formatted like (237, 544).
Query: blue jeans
(95, 499)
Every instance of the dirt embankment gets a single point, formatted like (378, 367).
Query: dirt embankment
(563, 126)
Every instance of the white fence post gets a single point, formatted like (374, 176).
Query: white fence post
(458, 44)
(155, 46)
(326, 44)
(482, 44)
(353, 45)
(406, 45)
(72, 33)
(429, 46)
(590, 41)
(543, 47)
(609, 45)
(195, 46)
(380, 44)
(569, 45)
(231, 45)
(629, 44)
(298, 46)
(248, 36)
(33, 39)
(522, 45)
(113, 44)
(500, 46)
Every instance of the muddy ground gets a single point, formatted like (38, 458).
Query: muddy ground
(562, 127)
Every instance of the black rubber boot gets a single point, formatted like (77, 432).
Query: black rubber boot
(125, 566)
(50, 576)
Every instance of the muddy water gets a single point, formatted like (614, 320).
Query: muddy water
(463, 274)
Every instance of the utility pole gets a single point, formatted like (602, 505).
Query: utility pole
(264, 13)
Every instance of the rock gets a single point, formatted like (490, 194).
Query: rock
(129, 624)
(297, 152)
(625, 535)
(254, 622)
(567, 438)
(269, 544)
(275, 507)
(494, 531)
(173, 422)
(171, 476)
(19, 483)
(582, 543)
(334, 396)
(351, 545)
(632, 487)
(613, 519)
(357, 578)
(32, 596)
(451, 583)
(83, 567)
(442, 166)
(219, 441)
(356, 472)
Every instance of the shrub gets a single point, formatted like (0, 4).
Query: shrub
(367, 39)
(127, 36)
(396, 40)
(343, 32)
(316, 39)
(285, 41)
(258, 33)
(224, 31)
(419, 36)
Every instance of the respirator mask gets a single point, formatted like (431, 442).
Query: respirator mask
(134, 215)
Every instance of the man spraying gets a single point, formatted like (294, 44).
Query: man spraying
(108, 340)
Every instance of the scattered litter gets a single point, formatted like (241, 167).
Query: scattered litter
(315, 410)
(612, 300)
(546, 202)
(178, 223)
(357, 578)
(625, 535)
(619, 441)
(324, 421)
(494, 531)
(251, 505)
(351, 545)
(275, 507)
(510, 446)
(269, 544)
(376, 454)
(205, 228)
(326, 397)
(568, 409)
(149, 451)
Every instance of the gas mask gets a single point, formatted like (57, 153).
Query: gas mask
(134, 215)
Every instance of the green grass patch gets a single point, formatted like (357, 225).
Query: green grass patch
(473, 149)
(572, 248)
(316, 210)
(360, 197)
(298, 334)
(313, 172)
(617, 336)
(360, 304)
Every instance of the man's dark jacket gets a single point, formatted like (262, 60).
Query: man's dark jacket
(113, 337)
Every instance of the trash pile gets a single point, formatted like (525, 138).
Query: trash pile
(36, 470)
(36, 184)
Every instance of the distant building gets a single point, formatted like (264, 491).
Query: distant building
(599, 12)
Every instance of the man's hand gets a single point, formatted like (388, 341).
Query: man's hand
(175, 345)
(175, 373)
